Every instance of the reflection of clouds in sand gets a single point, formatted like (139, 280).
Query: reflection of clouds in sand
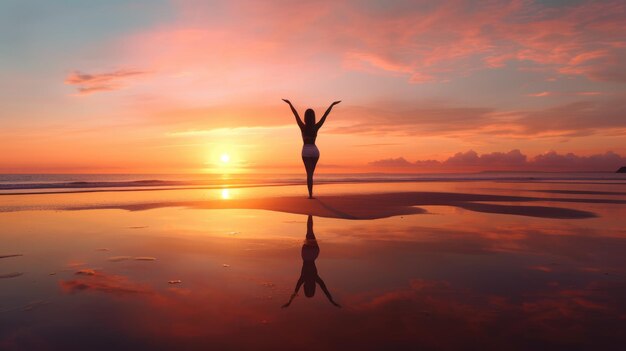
(27, 307)
(542, 268)
(423, 312)
(553, 314)
(10, 275)
(482, 276)
(103, 282)
(581, 244)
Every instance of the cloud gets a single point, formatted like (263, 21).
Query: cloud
(392, 162)
(512, 160)
(209, 57)
(471, 158)
(552, 160)
(91, 83)
(450, 38)
(411, 118)
(422, 41)
(583, 117)
(575, 117)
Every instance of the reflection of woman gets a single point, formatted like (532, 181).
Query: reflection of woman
(309, 276)
(308, 128)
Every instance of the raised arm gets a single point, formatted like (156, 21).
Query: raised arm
(295, 113)
(325, 290)
(321, 122)
(295, 292)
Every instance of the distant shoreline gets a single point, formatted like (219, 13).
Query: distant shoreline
(80, 183)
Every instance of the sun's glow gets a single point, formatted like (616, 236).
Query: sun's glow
(225, 194)
(225, 158)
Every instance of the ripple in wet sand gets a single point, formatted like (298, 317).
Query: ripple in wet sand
(10, 275)
(128, 258)
(86, 271)
(14, 255)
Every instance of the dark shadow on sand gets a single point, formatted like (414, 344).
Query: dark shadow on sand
(372, 206)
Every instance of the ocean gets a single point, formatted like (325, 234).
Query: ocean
(46, 183)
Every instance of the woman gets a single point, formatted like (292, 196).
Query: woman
(310, 153)
(308, 275)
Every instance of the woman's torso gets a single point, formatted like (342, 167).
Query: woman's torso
(310, 251)
(308, 134)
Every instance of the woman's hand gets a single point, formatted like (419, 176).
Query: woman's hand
(335, 103)
(290, 299)
(287, 101)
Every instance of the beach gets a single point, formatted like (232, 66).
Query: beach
(498, 262)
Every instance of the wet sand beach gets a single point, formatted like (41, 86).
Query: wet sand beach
(413, 265)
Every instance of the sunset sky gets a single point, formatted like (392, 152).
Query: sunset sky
(427, 86)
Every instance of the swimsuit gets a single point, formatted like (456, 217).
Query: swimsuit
(310, 150)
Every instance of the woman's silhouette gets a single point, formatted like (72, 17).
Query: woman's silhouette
(308, 128)
(309, 276)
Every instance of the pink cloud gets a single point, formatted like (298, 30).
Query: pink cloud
(392, 162)
(424, 42)
(512, 160)
(609, 161)
(457, 37)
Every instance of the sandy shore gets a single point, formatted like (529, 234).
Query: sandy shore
(344, 201)
(431, 260)
(372, 206)
(381, 205)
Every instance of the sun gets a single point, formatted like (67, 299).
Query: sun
(225, 194)
(225, 158)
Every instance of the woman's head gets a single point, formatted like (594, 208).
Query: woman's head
(309, 117)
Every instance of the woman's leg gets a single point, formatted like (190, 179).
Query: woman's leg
(309, 164)
(309, 228)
